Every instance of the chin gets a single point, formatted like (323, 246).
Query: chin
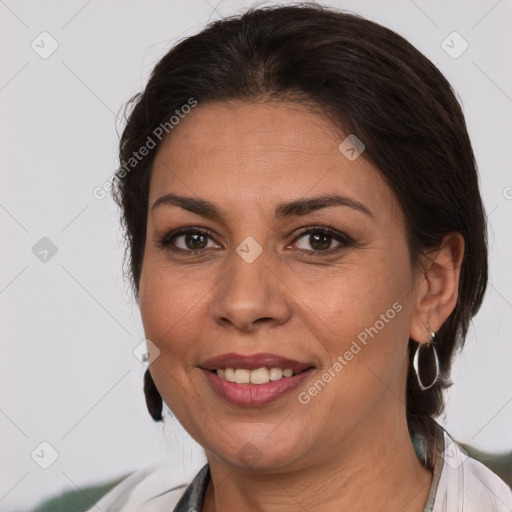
(261, 456)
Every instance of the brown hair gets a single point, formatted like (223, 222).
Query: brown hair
(369, 81)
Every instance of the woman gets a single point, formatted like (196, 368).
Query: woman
(307, 244)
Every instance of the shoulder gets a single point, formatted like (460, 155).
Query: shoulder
(466, 484)
(484, 488)
(156, 488)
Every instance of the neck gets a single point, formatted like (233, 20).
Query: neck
(375, 468)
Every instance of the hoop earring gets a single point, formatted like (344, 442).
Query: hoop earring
(428, 373)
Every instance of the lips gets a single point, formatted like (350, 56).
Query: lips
(254, 394)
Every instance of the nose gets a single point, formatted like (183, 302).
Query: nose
(251, 295)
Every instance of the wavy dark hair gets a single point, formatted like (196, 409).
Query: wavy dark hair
(369, 81)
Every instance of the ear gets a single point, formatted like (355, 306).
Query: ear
(437, 287)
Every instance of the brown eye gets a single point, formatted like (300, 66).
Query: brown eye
(186, 240)
(321, 239)
(194, 241)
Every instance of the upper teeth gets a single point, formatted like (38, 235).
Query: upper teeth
(259, 376)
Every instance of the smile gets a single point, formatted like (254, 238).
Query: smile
(254, 380)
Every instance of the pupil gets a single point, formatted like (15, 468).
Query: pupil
(192, 239)
(319, 236)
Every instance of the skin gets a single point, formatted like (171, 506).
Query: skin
(349, 447)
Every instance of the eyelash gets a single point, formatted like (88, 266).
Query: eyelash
(345, 241)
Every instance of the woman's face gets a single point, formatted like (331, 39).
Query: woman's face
(264, 285)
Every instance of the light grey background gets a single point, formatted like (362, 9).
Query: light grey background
(69, 327)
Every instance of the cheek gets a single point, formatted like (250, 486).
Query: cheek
(361, 313)
(363, 334)
(351, 296)
(170, 307)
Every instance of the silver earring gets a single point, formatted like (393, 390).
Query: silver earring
(428, 371)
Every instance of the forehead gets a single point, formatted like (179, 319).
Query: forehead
(247, 153)
(234, 127)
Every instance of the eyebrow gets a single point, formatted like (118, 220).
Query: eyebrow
(298, 207)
